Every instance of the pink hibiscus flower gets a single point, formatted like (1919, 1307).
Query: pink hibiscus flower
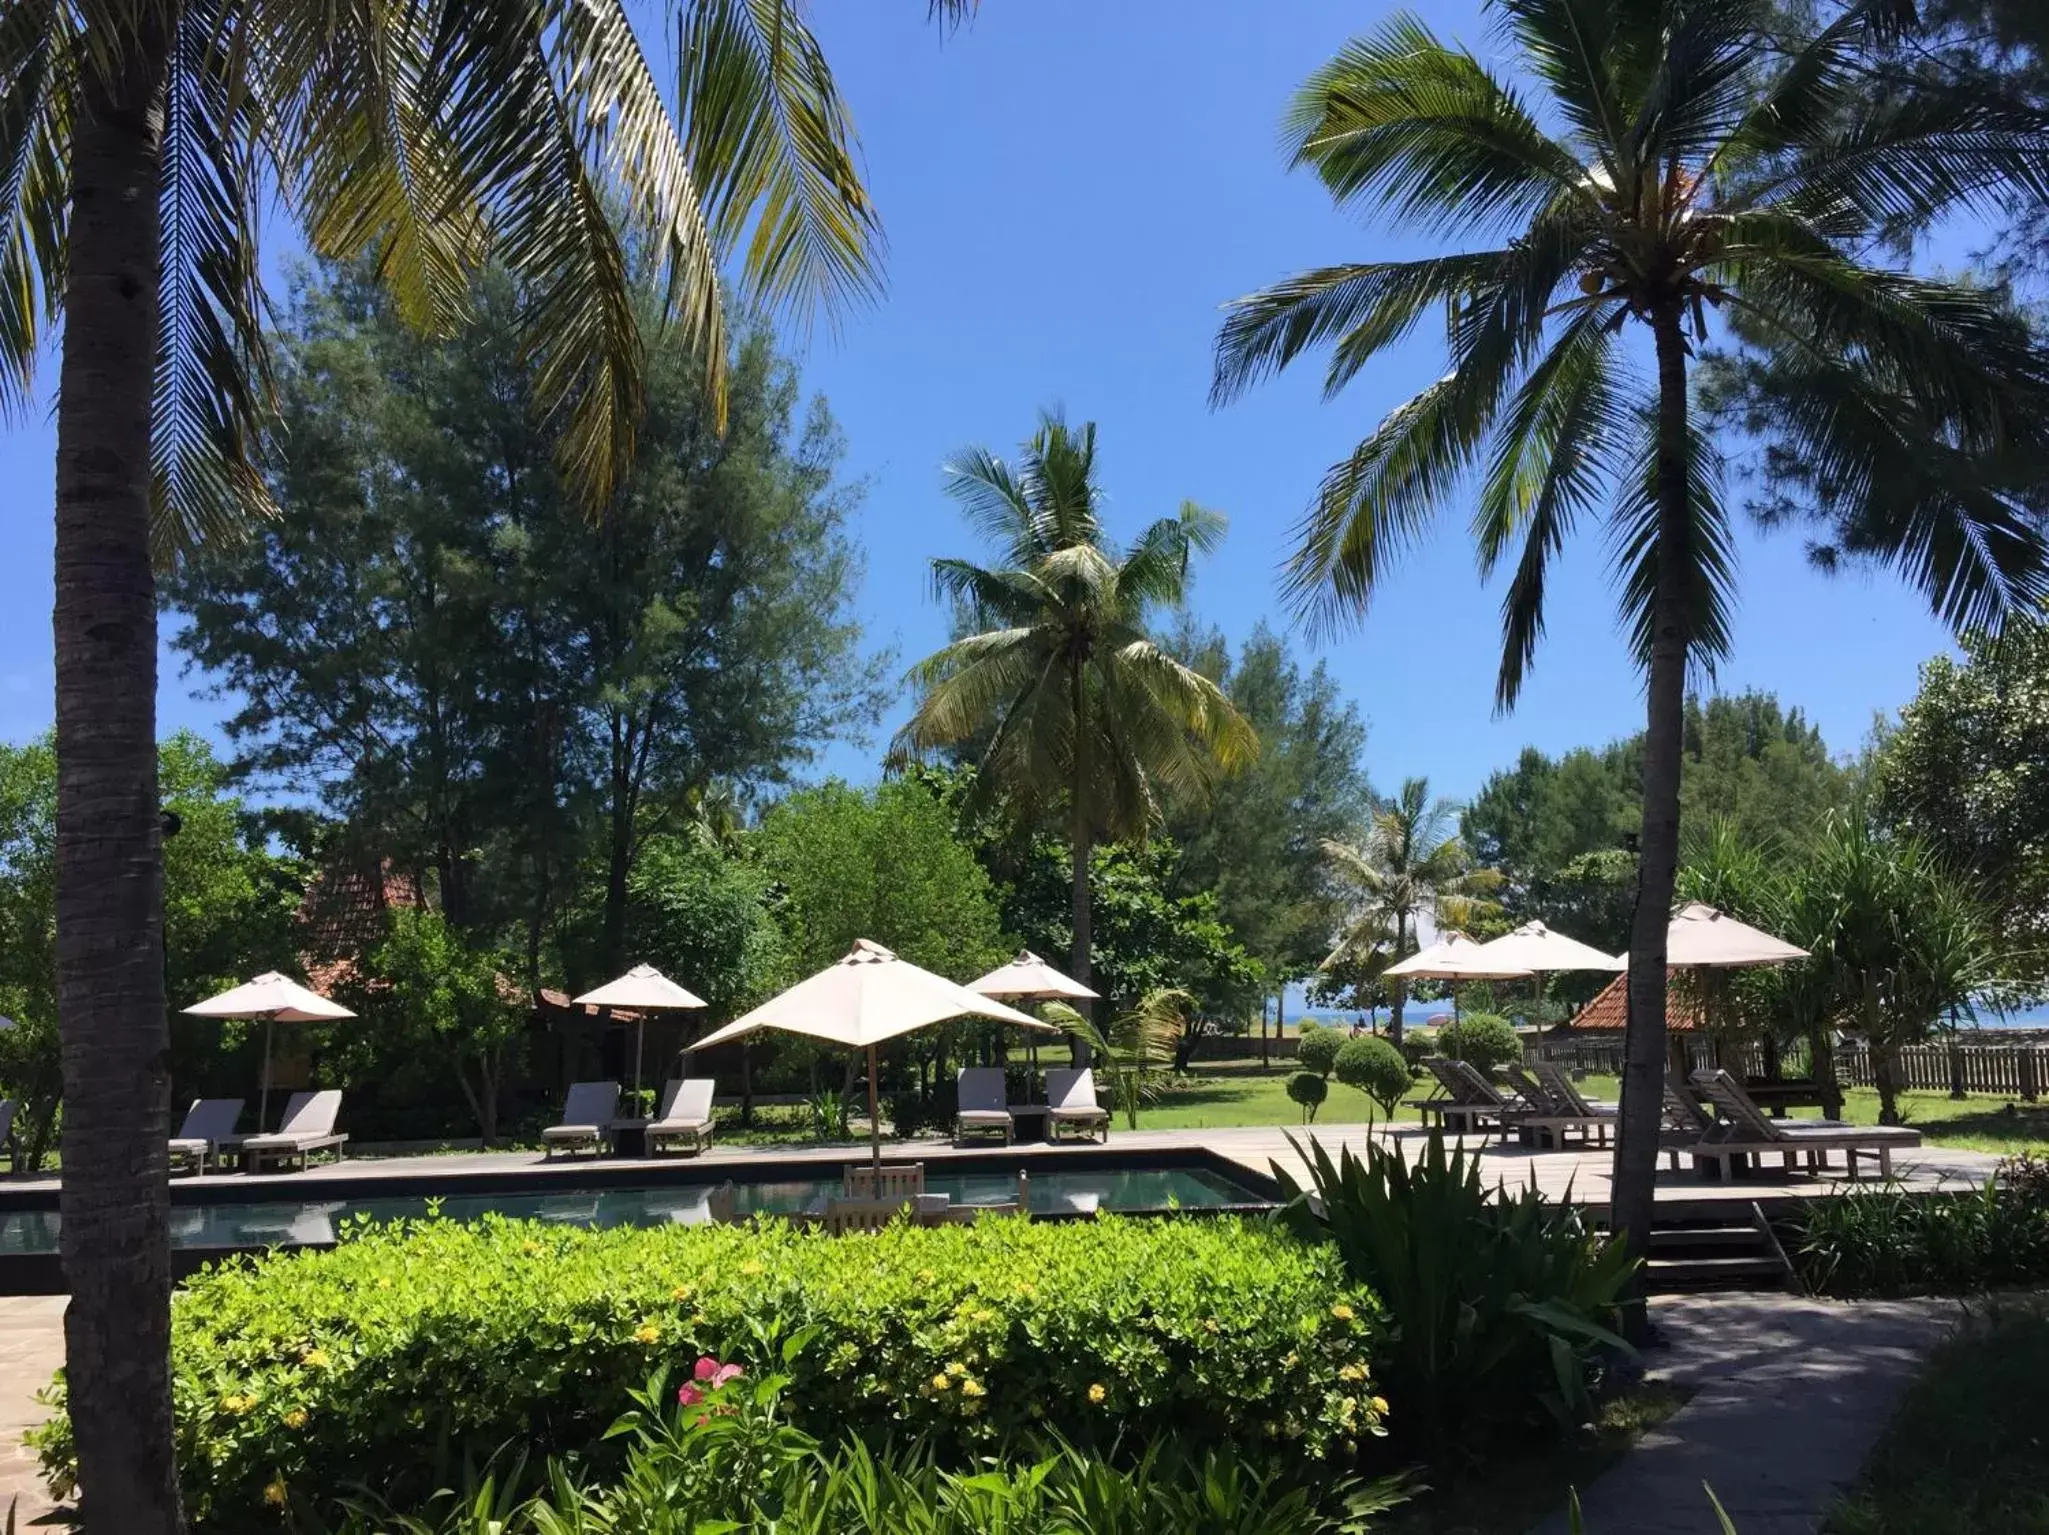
(707, 1375)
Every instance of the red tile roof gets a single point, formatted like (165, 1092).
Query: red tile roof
(1609, 1011)
(342, 914)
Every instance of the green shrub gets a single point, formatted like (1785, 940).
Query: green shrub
(1890, 1242)
(1495, 1305)
(1317, 1048)
(413, 1342)
(1309, 1090)
(1375, 1068)
(1482, 1040)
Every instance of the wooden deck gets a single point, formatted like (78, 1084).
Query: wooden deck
(1581, 1176)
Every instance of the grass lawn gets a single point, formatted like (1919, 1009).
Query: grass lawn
(1968, 1451)
(1508, 1493)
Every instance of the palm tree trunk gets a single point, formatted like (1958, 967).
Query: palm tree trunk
(1078, 957)
(1396, 992)
(110, 974)
(1643, 1068)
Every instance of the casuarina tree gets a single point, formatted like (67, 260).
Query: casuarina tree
(1654, 165)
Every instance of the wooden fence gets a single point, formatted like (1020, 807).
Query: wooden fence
(2009, 1071)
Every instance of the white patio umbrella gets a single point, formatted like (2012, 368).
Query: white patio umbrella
(276, 999)
(867, 998)
(1029, 978)
(640, 991)
(1455, 957)
(1534, 948)
(1700, 936)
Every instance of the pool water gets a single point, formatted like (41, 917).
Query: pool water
(285, 1223)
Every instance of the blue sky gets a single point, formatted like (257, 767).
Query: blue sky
(1071, 189)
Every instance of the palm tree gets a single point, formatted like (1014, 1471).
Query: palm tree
(137, 142)
(1674, 166)
(1071, 704)
(1411, 861)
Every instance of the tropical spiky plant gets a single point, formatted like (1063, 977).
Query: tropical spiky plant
(1060, 688)
(1667, 168)
(1411, 863)
(138, 139)
(1135, 1053)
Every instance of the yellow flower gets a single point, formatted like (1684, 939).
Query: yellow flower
(296, 1418)
(926, 1276)
(1379, 1405)
(531, 1249)
(1352, 1372)
(1291, 1361)
(982, 1314)
(1209, 1324)
(1097, 1393)
(238, 1405)
(941, 1381)
(1024, 1287)
(384, 1281)
(274, 1494)
(751, 1267)
(647, 1332)
(956, 1368)
(681, 1292)
(972, 1387)
(314, 1359)
(1342, 1312)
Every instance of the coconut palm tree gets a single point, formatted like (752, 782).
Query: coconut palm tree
(137, 142)
(1668, 168)
(1411, 861)
(1059, 687)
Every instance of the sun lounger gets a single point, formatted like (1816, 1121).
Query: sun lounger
(1746, 1131)
(587, 1115)
(684, 1114)
(1685, 1123)
(209, 1124)
(1471, 1105)
(844, 1215)
(983, 1105)
(7, 1129)
(893, 1180)
(1071, 1101)
(308, 1126)
(1550, 1114)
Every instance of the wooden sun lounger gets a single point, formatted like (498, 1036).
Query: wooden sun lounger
(209, 1126)
(1472, 1105)
(1746, 1131)
(1551, 1114)
(1071, 1102)
(893, 1180)
(684, 1114)
(982, 1104)
(587, 1115)
(308, 1126)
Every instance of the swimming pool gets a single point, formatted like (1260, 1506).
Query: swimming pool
(1076, 1191)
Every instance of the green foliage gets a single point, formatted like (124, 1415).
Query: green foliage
(1495, 1305)
(1135, 1056)
(1309, 1089)
(1316, 1048)
(882, 864)
(732, 1458)
(418, 1339)
(1891, 1242)
(1482, 1040)
(1965, 771)
(698, 910)
(1376, 1068)
(228, 905)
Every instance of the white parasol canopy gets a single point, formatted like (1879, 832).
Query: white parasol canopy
(867, 998)
(1455, 957)
(1702, 937)
(643, 989)
(275, 998)
(1029, 978)
(1535, 950)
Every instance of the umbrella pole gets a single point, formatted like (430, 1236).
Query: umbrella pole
(263, 1109)
(874, 1122)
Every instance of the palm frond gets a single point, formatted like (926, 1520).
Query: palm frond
(995, 504)
(1425, 132)
(1013, 598)
(1059, 481)
(1707, 72)
(1182, 697)
(213, 389)
(36, 83)
(772, 148)
(1700, 550)
(1154, 573)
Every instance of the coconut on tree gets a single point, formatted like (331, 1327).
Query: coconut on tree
(1654, 166)
(1075, 713)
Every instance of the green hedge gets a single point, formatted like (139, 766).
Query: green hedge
(411, 1344)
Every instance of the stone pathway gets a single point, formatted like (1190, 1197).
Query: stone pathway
(1791, 1394)
(31, 1349)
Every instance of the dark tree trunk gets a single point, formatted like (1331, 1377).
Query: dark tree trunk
(1078, 958)
(1397, 992)
(110, 967)
(1643, 1067)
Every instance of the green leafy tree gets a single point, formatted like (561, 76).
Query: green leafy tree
(1316, 1047)
(1674, 166)
(1309, 1089)
(1377, 1068)
(1410, 864)
(1070, 703)
(702, 913)
(142, 140)
(1482, 1040)
(447, 999)
(1966, 770)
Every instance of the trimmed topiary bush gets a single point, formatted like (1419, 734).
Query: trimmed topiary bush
(1317, 1049)
(1375, 1068)
(1308, 1089)
(1482, 1040)
(413, 1344)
